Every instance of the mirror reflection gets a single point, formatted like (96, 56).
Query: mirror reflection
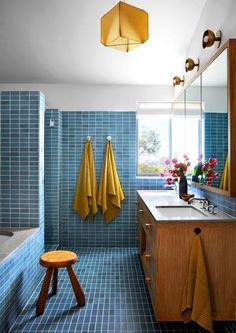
(194, 119)
(215, 122)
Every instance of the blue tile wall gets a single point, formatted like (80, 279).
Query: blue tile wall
(21, 141)
(53, 154)
(224, 203)
(216, 139)
(76, 126)
(150, 183)
(19, 275)
(64, 145)
(67, 139)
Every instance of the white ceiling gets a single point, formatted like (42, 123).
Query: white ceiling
(58, 41)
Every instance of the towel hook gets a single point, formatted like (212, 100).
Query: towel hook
(197, 231)
(88, 137)
(109, 138)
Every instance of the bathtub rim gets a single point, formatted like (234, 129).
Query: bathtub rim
(20, 236)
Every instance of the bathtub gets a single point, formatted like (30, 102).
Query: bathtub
(12, 238)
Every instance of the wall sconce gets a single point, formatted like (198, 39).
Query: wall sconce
(177, 81)
(209, 38)
(190, 64)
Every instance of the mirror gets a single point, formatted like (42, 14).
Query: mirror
(215, 117)
(194, 121)
(213, 88)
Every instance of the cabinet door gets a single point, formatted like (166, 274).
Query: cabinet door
(174, 242)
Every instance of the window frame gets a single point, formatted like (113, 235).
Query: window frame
(151, 175)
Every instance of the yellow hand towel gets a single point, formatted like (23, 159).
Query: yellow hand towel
(224, 178)
(110, 193)
(86, 188)
(196, 303)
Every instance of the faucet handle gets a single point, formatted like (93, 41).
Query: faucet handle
(206, 203)
(211, 209)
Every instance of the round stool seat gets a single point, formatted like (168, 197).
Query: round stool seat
(58, 259)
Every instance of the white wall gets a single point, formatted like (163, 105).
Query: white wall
(68, 97)
(216, 15)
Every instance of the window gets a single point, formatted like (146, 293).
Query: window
(161, 137)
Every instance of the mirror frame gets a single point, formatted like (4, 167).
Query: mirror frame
(230, 45)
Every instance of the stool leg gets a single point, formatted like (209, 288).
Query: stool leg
(54, 281)
(76, 286)
(43, 293)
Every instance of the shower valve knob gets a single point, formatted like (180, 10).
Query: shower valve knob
(147, 280)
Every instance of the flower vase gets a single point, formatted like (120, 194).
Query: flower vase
(183, 186)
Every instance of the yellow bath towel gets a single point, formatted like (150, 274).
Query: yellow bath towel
(224, 178)
(196, 303)
(110, 193)
(86, 188)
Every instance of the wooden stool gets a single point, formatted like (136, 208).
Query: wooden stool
(54, 260)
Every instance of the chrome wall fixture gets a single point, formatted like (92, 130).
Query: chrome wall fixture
(190, 64)
(209, 38)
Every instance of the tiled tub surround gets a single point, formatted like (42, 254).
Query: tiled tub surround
(20, 272)
(76, 126)
(17, 237)
(21, 198)
(21, 161)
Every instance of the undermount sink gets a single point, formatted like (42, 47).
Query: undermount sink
(180, 212)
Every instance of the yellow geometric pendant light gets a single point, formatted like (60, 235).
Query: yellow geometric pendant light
(124, 27)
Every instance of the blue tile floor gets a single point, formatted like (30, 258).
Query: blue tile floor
(116, 296)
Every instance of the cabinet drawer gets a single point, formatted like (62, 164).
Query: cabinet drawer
(149, 225)
(151, 258)
(151, 284)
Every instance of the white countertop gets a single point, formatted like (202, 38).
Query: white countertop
(153, 198)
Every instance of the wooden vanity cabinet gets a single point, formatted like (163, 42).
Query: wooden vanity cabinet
(165, 248)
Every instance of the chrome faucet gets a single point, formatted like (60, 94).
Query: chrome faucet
(205, 202)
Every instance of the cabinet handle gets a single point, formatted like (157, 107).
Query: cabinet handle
(147, 280)
(148, 226)
(141, 210)
(147, 257)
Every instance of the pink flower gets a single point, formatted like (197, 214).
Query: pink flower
(177, 168)
(178, 165)
(213, 162)
(217, 174)
(162, 174)
(210, 173)
(205, 166)
(169, 181)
